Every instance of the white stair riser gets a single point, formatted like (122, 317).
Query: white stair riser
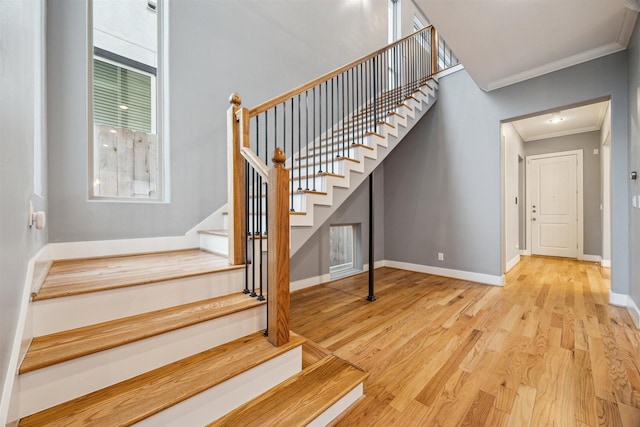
(215, 243)
(332, 412)
(49, 386)
(217, 401)
(59, 314)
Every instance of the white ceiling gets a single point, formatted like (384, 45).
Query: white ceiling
(501, 42)
(585, 118)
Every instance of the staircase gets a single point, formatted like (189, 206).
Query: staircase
(330, 183)
(173, 339)
(167, 339)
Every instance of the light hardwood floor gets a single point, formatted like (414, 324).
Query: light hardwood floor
(544, 350)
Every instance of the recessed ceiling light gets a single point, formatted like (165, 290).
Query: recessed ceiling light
(123, 107)
(555, 118)
(113, 131)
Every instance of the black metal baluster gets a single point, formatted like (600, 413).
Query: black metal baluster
(306, 116)
(319, 153)
(313, 139)
(246, 226)
(299, 151)
(326, 127)
(292, 156)
(333, 123)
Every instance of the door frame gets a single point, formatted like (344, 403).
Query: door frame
(580, 196)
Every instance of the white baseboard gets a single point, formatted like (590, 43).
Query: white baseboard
(623, 300)
(9, 400)
(324, 278)
(309, 282)
(98, 248)
(525, 252)
(633, 310)
(606, 263)
(587, 257)
(487, 279)
(618, 299)
(515, 260)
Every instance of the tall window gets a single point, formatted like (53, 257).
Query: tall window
(395, 55)
(127, 72)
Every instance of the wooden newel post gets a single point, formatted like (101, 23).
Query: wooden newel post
(235, 185)
(434, 50)
(278, 247)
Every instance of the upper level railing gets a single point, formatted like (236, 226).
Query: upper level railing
(319, 124)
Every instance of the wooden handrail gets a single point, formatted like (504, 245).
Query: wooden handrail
(255, 162)
(261, 108)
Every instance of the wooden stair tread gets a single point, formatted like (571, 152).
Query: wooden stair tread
(74, 277)
(135, 399)
(312, 353)
(62, 346)
(300, 399)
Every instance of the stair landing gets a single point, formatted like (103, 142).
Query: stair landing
(79, 276)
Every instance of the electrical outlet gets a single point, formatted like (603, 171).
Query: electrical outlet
(440, 256)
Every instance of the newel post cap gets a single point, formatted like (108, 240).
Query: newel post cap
(234, 99)
(278, 157)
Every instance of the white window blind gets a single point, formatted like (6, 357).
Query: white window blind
(122, 97)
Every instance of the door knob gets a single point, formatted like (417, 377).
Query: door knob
(534, 211)
(533, 219)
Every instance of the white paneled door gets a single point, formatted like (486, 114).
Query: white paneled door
(554, 205)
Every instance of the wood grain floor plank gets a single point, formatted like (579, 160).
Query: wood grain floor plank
(551, 349)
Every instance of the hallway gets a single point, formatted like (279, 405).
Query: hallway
(546, 349)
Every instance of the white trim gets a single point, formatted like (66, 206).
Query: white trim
(334, 411)
(9, 401)
(619, 300)
(623, 300)
(592, 258)
(555, 66)
(633, 310)
(449, 70)
(213, 221)
(514, 261)
(606, 263)
(309, 282)
(100, 248)
(525, 252)
(487, 279)
(324, 278)
(580, 197)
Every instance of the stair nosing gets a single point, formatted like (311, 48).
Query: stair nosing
(148, 318)
(39, 297)
(310, 414)
(170, 374)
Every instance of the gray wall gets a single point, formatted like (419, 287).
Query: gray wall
(312, 259)
(258, 49)
(634, 164)
(442, 183)
(18, 243)
(586, 142)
